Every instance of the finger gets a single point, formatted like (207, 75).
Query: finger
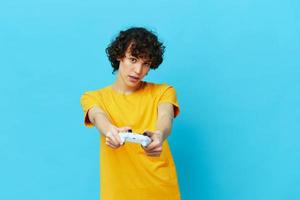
(116, 139)
(157, 148)
(150, 147)
(111, 145)
(122, 129)
(113, 140)
(148, 133)
(154, 153)
(154, 144)
(157, 153)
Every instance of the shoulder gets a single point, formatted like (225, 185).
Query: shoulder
(96, 93)
(159, 87)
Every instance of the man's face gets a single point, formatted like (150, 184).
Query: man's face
(132, 70)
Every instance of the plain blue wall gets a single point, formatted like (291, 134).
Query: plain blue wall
(235, 65)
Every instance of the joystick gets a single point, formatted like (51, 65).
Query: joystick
(135, 138)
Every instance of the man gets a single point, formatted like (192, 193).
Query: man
(130, 171)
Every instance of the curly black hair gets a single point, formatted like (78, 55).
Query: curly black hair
(141, 42)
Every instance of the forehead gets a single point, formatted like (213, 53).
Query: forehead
(143, 57)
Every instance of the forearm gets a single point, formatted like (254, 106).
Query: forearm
(164, 125)
(100, 121)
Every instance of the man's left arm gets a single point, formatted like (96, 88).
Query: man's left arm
(165, 118)
(164, 121)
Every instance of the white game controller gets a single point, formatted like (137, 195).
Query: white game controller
(135, 138)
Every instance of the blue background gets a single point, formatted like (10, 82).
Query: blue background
(235, 65)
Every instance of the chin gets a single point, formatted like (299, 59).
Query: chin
(129, 83)
(133, 84)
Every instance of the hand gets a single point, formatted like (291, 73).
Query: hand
(112, 137)
(155, 147)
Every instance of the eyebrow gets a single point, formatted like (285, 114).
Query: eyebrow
(146, 62)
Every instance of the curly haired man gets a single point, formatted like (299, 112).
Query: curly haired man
(130, 171)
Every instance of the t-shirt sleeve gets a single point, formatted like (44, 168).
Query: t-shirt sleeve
(168, 95)
(87, 101)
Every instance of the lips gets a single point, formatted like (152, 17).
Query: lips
(133, 78)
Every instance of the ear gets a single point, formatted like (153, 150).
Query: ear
(147, 72)
(119, 58)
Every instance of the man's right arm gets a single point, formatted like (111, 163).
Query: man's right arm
(99, 119)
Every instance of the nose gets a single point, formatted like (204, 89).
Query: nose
(138, 68)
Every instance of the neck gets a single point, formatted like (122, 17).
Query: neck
(120, 86)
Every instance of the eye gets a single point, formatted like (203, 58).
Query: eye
(132, 59)
(147, 64)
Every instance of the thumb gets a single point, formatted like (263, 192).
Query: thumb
(148, 133)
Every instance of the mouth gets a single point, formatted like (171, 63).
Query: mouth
(133, 78)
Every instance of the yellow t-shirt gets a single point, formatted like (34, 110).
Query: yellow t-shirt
(127, 173)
